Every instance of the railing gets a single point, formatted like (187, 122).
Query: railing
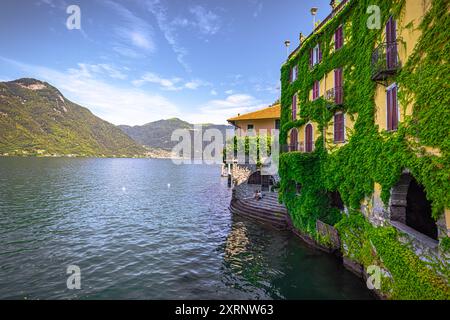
(335, 95)
(292, 147)
(385, 60)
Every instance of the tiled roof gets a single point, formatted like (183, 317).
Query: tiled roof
(266, 113)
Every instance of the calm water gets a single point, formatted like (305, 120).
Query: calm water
(146, 229)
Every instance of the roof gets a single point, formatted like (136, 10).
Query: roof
(317, 28)
(272, 112)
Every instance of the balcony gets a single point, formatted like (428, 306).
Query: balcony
(292, 147)
(335, 95)
(385, 61)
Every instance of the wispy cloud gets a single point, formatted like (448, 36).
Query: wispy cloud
(114, 103)
(132, 33)
(171, 84)
(207, 22)
(218, 110)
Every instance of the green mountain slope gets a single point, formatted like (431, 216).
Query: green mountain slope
(35, 118)
(158, 134)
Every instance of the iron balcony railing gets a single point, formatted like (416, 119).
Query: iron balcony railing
(292, 147)
(385, 61)
(335, 95)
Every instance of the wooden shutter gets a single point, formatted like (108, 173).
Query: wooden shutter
(290, 75)
(338, 38)
(339, 128)
(316, 90)
(308, 138)
(320, 53)
(392, 109)
(311, 57)
(294, 107)
(338, 86)
(391, 43)
(389, 109)
(294, 140)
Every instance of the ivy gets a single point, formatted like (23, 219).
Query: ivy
(372, 155)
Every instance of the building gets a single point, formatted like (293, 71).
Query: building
(265, 119)
(365, 120)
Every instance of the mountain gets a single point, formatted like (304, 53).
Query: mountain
(158, 134)
(35, 118)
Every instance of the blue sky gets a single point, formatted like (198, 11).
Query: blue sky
(136, 61)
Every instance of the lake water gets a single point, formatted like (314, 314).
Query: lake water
(147, 229)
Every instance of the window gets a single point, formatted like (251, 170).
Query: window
(293, 145)
(338, 86)
(391, 43)
(294, 107)
(315, 55)
(339, 38)
(339, 127)
(316, 90)
(294, 73)
(277, 124)
(250, 127)
(309, 138)
(392, 113)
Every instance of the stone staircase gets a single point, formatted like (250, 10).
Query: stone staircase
(266, 210)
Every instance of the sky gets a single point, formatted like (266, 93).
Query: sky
(136, 61)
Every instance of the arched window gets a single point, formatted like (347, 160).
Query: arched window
(309, 143)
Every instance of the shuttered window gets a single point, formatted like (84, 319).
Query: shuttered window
(294, 140)
(309, 138)
(392, 108)
(391, 43)
(339, 127)
(339, 38)
(294, 107)
(316, 90)
(338, 86)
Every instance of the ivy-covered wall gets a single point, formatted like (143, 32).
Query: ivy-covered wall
(372, 155)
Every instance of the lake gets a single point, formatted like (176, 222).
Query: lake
(147, 229)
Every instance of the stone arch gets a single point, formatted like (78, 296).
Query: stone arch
(410, 206)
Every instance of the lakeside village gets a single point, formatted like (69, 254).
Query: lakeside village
(364, 123)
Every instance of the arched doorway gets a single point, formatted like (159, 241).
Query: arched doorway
(309, 138)
(410, 206)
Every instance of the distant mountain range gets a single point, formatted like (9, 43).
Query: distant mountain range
(36, 119)
(158, 134)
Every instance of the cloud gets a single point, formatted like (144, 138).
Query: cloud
(102, 69)
(229, 92)
(213, 92)
(206, 21)
(168, 29)
(218, 110)
(132, 31)
(116, 104)
(171, 84)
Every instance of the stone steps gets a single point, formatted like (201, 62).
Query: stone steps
(266, 211)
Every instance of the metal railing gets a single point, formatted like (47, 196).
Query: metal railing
(335, 95)
(385, 60)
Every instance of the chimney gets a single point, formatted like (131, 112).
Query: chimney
(333, 4)
(301, 38)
